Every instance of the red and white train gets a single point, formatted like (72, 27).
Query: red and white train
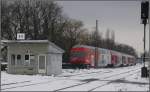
(82, 55)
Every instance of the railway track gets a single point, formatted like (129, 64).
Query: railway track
(86, 74)
(96, 73)
(92, 72)
(14, 83)
(23, 85)
(114, 75)
(110, 82)
(82, 74)
(29, 83)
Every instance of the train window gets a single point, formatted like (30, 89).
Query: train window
(103, 51)
(78, 54)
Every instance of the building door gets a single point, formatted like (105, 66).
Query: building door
(42, 63)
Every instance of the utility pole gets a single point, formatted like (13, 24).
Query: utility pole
(144, 18)
(96, 45)
(144, 21)
(149, 48)
(0, 41)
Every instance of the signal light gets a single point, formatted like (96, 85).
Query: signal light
(144, 10)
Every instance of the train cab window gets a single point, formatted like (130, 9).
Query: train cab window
(78, 54)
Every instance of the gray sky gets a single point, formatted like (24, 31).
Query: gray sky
(121, 16)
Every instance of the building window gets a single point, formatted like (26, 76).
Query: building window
(32, 59)
(18, 57)
(26, 57)
(27, 60)
(12, 59)
(19, 60)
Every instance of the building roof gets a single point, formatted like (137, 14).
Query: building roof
(25, 41)
(32, 41)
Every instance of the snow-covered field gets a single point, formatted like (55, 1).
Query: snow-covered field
(103, 79)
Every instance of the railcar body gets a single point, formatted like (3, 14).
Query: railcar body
(131, 60)
(104, 58)
(120, 62)
(125, 61)
(82, 55)
(114, 58)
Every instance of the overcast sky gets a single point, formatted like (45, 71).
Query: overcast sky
(121, 16)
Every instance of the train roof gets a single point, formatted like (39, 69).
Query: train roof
(91, 47)
(85, 46)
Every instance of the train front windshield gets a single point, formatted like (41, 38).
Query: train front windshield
(78, 54)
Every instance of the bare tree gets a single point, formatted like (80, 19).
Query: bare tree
(38, 19)
(73, 31)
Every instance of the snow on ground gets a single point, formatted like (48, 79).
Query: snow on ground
(132, 83)
(102, 79)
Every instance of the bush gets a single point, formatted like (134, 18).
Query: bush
(3, 67)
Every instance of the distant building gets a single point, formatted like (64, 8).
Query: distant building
(33, 57)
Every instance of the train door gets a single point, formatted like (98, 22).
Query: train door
(123, 60)
(103, 59)
(107, 59)
(127, 62)
(92, 61)
(120, 59)
(98, 57)
(113, 58)
(116, 60)
(99, 60)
